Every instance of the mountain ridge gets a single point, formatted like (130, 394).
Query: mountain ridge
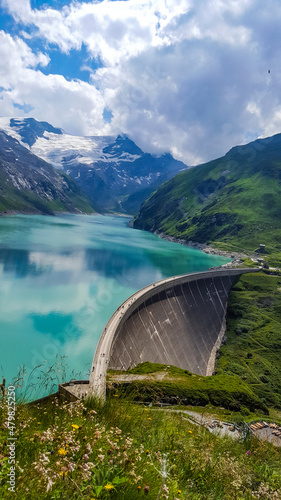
(28, 184)
(232, 200)
(113, 171)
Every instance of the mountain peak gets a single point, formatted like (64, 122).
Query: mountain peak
(109, 169)
(30, 129)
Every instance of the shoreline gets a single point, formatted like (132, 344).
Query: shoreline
(208, 249)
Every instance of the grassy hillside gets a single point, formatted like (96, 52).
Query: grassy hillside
(253, 338)
(172, 385)
(234, 200)
(123, 451)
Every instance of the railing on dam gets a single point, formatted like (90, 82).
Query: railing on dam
(176, 321)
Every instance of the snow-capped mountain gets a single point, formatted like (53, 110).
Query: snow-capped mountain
(113, 171)
(28, 184)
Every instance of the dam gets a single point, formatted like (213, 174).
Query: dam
(176, 321)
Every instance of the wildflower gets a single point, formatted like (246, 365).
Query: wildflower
(49, 485)
(149, 418)
(146, 489)
(139, 488)
(88, 448)
(248, 452)
(44, 458)
(179, 492)
(74, 427)
(190, 432)
(86, 457)
(63, 472)
(109, 487)
(116, 395)
(62, 452)
(147, 451)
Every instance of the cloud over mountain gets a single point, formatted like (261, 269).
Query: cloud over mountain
(187, 76)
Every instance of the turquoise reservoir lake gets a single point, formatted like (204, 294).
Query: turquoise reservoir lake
(62, 278)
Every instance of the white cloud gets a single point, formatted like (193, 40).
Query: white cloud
(75, 105)
(185, 75)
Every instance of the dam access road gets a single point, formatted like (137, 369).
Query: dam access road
(176, 321)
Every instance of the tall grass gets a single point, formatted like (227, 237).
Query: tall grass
(119, 450)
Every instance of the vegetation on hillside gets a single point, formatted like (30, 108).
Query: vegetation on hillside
(25, 201)
(176, 386)
(234, 200)
(123, 451)
(253, 340)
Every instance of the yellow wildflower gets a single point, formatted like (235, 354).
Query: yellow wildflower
(74, 427)
(62, 451)
(109, 487)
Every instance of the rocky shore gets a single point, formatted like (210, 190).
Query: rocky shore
(237, 257)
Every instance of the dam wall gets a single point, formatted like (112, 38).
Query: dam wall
(177, 321)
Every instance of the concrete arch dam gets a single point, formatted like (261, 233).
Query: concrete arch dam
(177, 321)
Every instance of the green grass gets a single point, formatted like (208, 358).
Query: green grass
(182, 387)
(120, 450)
(253, 339)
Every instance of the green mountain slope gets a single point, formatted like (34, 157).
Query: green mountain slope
(234, 199)
(253, 341)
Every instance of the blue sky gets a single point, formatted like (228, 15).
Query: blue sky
(185, 76)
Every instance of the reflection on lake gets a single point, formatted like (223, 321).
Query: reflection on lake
(62, 278)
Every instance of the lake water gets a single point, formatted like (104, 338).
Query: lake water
(62, 278)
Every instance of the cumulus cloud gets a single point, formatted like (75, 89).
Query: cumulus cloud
(181, 75)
